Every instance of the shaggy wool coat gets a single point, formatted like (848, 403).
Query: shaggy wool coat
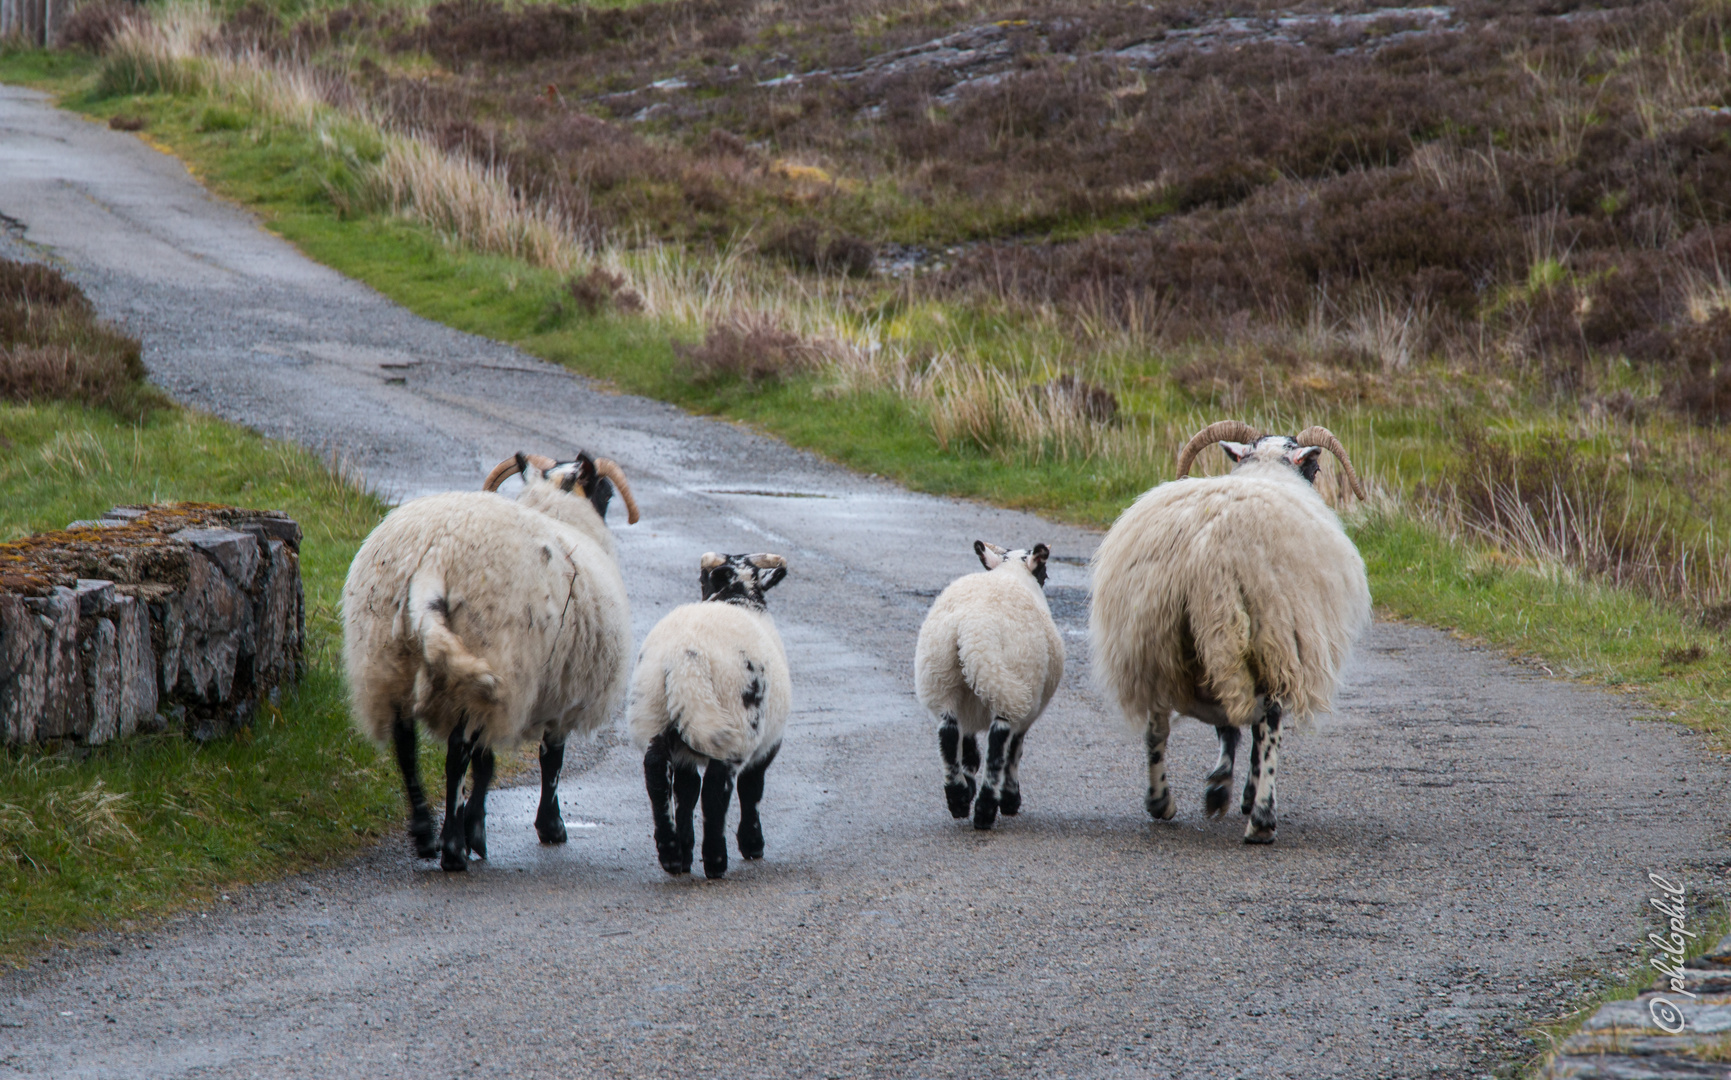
(989, 648)
(1210, 592)
(506, 617)
(715, 673)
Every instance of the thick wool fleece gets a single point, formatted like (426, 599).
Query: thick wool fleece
(1209, 592)
(507, 617)
(716, 673)
(989, 648)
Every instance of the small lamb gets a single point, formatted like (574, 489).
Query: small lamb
(712, 691)
(989, 659)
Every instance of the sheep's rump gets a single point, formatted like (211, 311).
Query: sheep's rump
(467, 608)
(988, 648)
(1209, 592)
(717, 674)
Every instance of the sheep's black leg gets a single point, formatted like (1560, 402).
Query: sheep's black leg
(958, 780)
(717, 793)
(1010, 802)
(549, 822)
(992, 781)
(1256, 737)
(408, 763)
(453, 850)
(1219, 788)
(475, 810)
(687, 784)
(750, 833)
(1260, 828)
(1158, 801)
(658, 778)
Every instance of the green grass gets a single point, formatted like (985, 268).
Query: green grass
(1562, 624)
(102, 837)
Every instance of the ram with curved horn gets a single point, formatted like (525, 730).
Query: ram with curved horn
(490, 621)
(1233, 599)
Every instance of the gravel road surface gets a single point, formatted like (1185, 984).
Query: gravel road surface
(1460, 842)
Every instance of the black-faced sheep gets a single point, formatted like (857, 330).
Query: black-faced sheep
(712, 692)
(1233, 599)
(989, 658)
(492, 622)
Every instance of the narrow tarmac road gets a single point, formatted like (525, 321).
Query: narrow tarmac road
(1459, 842)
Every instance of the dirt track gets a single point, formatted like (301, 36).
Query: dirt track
(1456, 841)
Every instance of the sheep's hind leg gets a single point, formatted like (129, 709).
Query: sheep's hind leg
(717, 793)
(687, 785)
(958, 778)
(408, 763)
(549, 822)
(1010, 802)
(475, 810)
(992, 782)
(453, 850)
(658, 778)
(1264, 759)
(1158, 801)
(1219, 788)
(750, 833)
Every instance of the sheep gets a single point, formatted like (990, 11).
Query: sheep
(491, 621)
(712, 691)
(989, 658)
(1233, 599)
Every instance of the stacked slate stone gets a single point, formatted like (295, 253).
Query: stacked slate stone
(1661, 1035)
(183, 613)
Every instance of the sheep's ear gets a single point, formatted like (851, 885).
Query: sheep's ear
(523, 465)
(991, 555)
(770, 570)
(1236, 450)
(1307, 460)
(1036, 562)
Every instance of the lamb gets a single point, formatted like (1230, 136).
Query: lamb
(712, 692)
(989, 658)
(492, 622)
(1232, 599)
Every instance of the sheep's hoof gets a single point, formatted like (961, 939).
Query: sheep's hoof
(714, 868)
(675, 867)
(550, 827)
(452, 860)
(750, 843)
(960, 797)
(1161, 807)
(1010, 803)
(1214, 799)
(985, 809)
(1254, 835)
(421, 834)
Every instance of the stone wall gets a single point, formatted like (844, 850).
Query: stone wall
(154, 615)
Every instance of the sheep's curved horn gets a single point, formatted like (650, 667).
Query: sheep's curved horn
(610, 469)
(510, 465)
(1233, 430)
(1321, 436)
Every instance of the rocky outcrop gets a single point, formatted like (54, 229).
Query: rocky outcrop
(152, 615)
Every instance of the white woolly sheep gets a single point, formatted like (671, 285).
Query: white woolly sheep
(1233, 599)
(989, 658)
(712, 692)
(492, 622)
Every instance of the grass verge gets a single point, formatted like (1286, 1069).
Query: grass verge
(102, 837)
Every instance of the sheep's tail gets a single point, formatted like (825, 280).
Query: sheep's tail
(1224, 649)
(697, 712)
(451, 679)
